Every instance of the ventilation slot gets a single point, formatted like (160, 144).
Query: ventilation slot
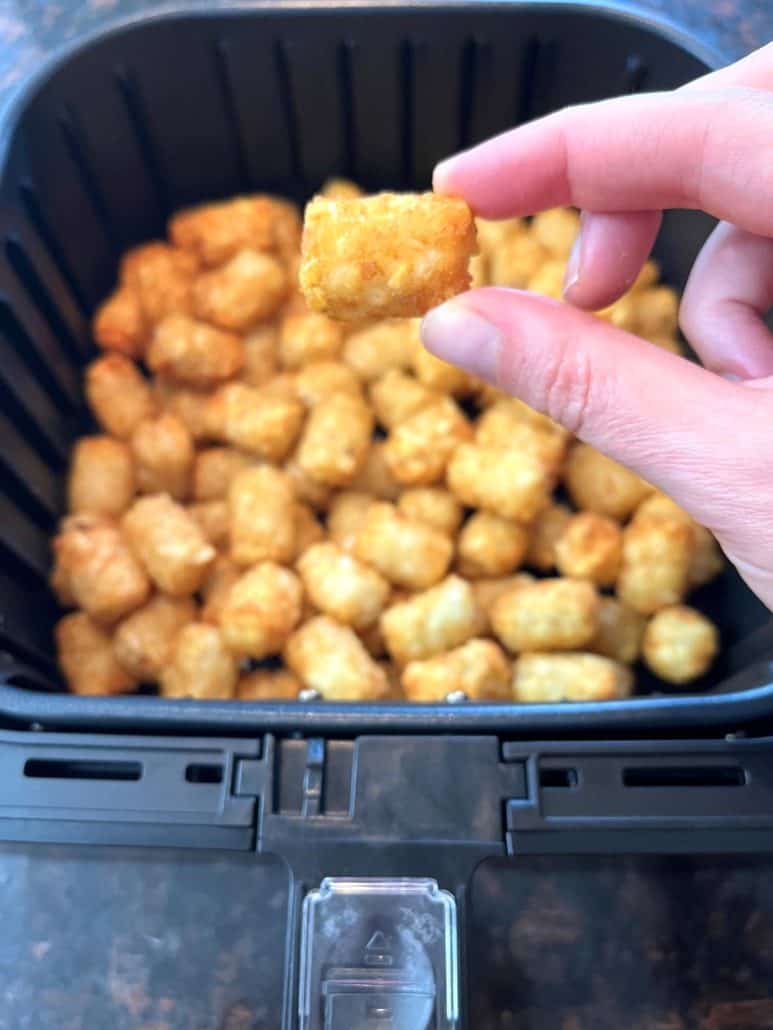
(65, 769)
(561, 778)
(687, 776)
(201, 773)
(78, 150)
(287, 105)
(225, 80)
(139, 121)
(18, 415)
(15, 334)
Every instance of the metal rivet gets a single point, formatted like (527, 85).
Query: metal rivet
(456, 697)
(309, 694)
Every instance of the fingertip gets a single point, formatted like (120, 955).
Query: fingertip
(441, 175)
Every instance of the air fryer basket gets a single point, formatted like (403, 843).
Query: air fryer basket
(114, 135)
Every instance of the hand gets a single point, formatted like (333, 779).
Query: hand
(703, 435)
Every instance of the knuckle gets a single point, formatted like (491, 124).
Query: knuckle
(568, 386)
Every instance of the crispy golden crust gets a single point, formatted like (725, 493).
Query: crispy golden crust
(102, 478)
(620, 631)
(214, 521)
(268, 685)
(118, 394)
(161, 277)
(119, 323)
(261, 503)
(309, 337)
(597, 483)
(260, 422)
(505, 482)
(201, 667)
(656, 563)
(432, 505)
(335, 442)
(321, 379)
(216, 232)
(545, 531)
(163, 455)
(86, 658)
(408, 553)
(330, 658)
(547, 678)
(479, 668)
(250, 287)
(491, 546)
(169, 543)
(396, 396)
(373, 351)
(680, 644)
(262, 608)
(213, 470)
(143, 642)
(191, 353)
(433, 621)
(590, 547)
(343, 587)
(547, 615)
(418, 450)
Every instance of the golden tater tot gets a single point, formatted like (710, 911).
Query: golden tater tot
(143, 642)
(320, 379)
(190, 406)
(59, 581)
(487, 591)
(261, 355)
(162, 279)
(335, 441)
(261, 610)
(622, 313)
(346, 517)
(307, 489)
(284, 385)
(620, 631)
(375, 477)
(201, 666)
(503, 425)
(213, 470)
(680, 644)
(377, 349)
(340, 189)
(216, 232)
(384, 256)
(505, 482)
(548, 678)
(308, 530)
(248, 288)
(548, 280)
(163, 456)
(556, 230)
(656, 562)
(545, 531)
(516, 261)
(268, 685)
(433, 621)
(493, 234)
(479, 668)
(86, 658)
(192, 353)
(342, 586)
(597, 483)
(257, 421)
(432, 505)
(657, 312)
(329, 658)
(408, 553)
(309, 337)
(119, 323)
(216, 586)
(118, 394)
(547, 615)
(169, 543)
(261, 503)
(102, 479)
(590, 547)
(397, 395)
(418, 449)
(100, 572)
(491, 546)
(438, 375)
(214, 520)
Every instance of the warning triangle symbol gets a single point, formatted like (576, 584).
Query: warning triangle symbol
(378, 942)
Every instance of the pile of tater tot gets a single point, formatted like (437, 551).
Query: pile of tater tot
(275, 502)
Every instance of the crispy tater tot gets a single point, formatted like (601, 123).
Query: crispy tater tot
(384, 256)
(491, 546)
(102, 479)
(340, 189)
(213, 470)
(433, 621)
(620, 631)
(487, 591)
(440, 376)
(556, 229)
(308, 490)
(492, 234)
(169, 543)
(216, 587)
(284, 385)
(418, 449)
(268, 685)
(547, 678)
(319, 379)
(377, 349)
(143, 642)
(504, 482)
(375, 477)
(346, 517)
(162, 279)
(86, 658)
(163, 456)
(216, 232)
(342, 586)
(432, 505)
(408, 553)
(118, 394)
(597, 483)
(192, 353)
(657, 312)
(516, 261)
(656, 562)
(201, 666)
(547, 615)
(261, 355)
(479, 668)
(397, 395)
(548, 280)
(261, 502)
(335, 441)
(248, 288)
(590, 547)
(307, 338)
(188, 405)
(257, 421)
(308, 531)
(545, 531)
(102, 575)
(329, 658)
(261, 610)
(120, 325)
(680, 644)
(214, 520)
(503, 425)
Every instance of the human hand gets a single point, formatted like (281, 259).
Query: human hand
(703, 435)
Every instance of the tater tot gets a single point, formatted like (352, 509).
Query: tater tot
(503, 425)
(101, 574)
(622, 313)
(657, 311)
(86, 658)
(418, 449)
(214, 520)
(545, 531)
(335, 441)
(217, 232)
(190, 406)
(505, 482)
(163, 456)
(143, 642)
(375, 477)
(192, 353)
(649, 273)
(320, 379)
(118, 394)
(491, 546)
(169, 543)
(556, 230)
(342, 586)
(216, 586)
(620, 631)
(479, 668)
(248, 288)
(308, 530)
(516, 261)
(119, 323)
(487, 591)
(257, 421)
(162, 279)
(432, 505)
(308, 490)
(213, 470)
(440, 376)
(548, 678)
(397, 395)
(590, 547)
(261, 503)
(261, 610)
(307, 338)
(656, 562)
(329, 658)
(384, 256)
(340, 189)
(433, 621)
(261, 355)
(346, 517)
(547, 615)
(597, 483)
(102, 479)
(380, 348)
(268, 685)
(408, 553)
(680, 644)
(706, 560)
(201, 666)
(548, 280)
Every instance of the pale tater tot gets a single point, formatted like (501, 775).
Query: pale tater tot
(397, 395)
(86, 658)
(119, 324)
(309, 337)
(284, 385)
(308, 490)
(169, 543)
(201, 666)
(418, 449)
(342, 586)
(340, 189)
(375, 477)
(191, 353)
(590, 547)
(479, 668)
(487, 591)
(261, 610)
(432, 505)
(335, 441)
(548, 678)
(257, 421)
(162, 279)
(490, 546)
(261, 355)
(657, 312)
(214, 520)
(493, 234)
(438, 375)
(505, 482)
(503, 425)
(216, 587)
(320, 379)
(556, 230)
(268, 685)
(213, 470)
(261, 503)
(545, 531)
(547, 615)
(102, 479)
(216, 232)
(143, 642)
(656, 562)
(620, 631)
(308, 531)
(389, 255)
(248, 288)
(163, 456)
(190, 406)
(330, 659)
(408, 553)
(101, 574)
(118, 394)
(433, 621)
(346, 517)
(548, 280)
(597, 483)
(680, 644)
(516, 261)
(377, 349)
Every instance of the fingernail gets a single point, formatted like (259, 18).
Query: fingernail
(572, 274)
(439, 174)
(457, 334)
